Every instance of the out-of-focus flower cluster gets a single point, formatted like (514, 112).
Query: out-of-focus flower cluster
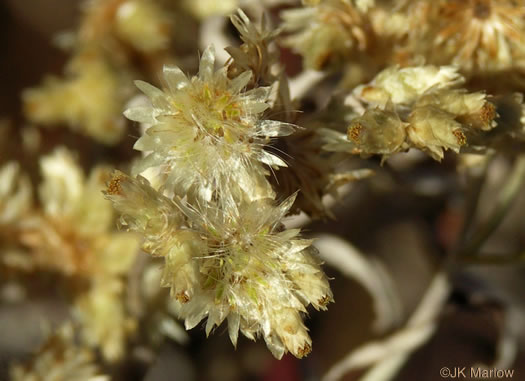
(90, 97)
(329, 34)
(482, 37)
(71, 232)
(60, 358)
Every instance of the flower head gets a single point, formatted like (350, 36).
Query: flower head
(256, 53)
(256, 275)
(237, 264)
(403, 86)
(73, 236)
(144, 25)
(207, 137)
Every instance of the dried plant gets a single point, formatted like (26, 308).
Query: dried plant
(216, 193)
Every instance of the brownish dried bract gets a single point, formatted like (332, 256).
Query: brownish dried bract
(182, 297)
(325, 300)
(304, 351)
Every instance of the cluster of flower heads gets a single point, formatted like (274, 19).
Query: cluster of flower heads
(477, 35)
(420, 107)
(237, 264)
(90, 97)
(71, 233)
(116, 40)
(482, 37)
(202, 200)
(60, 358)
(204, 194)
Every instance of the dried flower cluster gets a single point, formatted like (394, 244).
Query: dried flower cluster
(210, 212)
(238, 134)
(237, 264)
(417, 107)
(482, 37)
(477, 35)
(72, 233)
(60, 359)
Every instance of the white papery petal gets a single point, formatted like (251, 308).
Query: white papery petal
(234, 320)
(275, 345)
(259, 94)
(140, 114)
(271, 160)
(194, 319)
(175, 78)
(240, 82)
(207, 64)
(157, 96)
(273, 128)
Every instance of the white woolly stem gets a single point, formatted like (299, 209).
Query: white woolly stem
(341, 255)
(303, 82)
(388, 355)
